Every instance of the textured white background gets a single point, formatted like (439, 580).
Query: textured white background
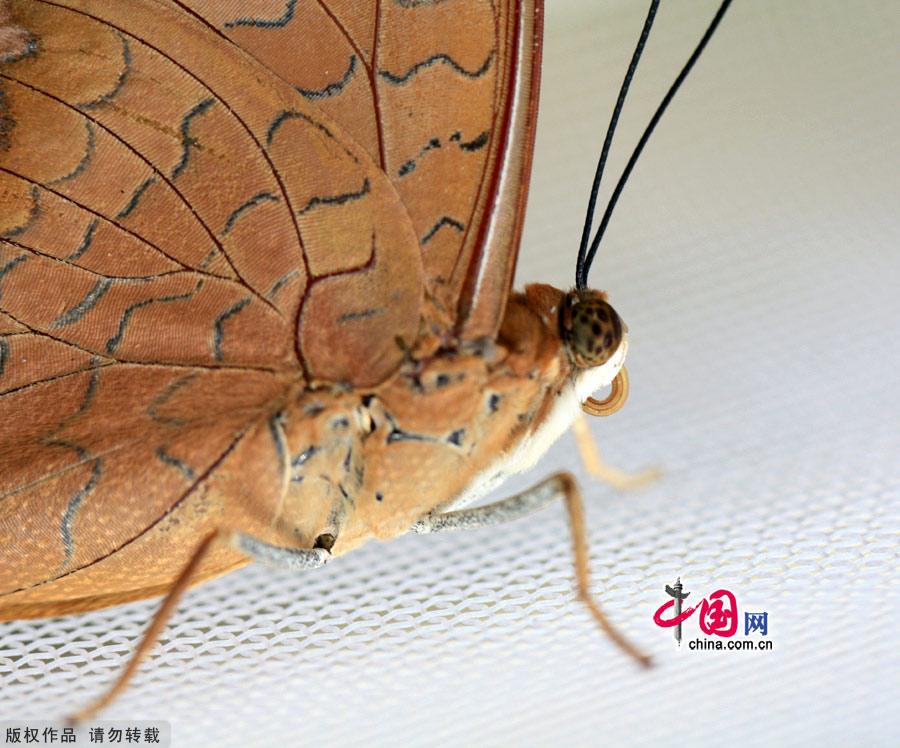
(756, 259)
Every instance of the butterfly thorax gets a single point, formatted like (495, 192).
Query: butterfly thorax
(449, 427)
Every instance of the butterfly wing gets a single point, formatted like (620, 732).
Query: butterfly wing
(443, 97)
(164, 281)
(185, 235)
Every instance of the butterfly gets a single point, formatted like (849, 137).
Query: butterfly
(255, 303)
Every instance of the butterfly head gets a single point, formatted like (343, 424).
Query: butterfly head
(590, 328)
(596, 341)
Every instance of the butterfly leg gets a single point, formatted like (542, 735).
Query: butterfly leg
(292, 558)
(594, 464)
(560, 486)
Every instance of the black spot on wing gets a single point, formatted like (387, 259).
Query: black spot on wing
(457, 437)
(257, 199)
(267, 23)
(441, 222)
(476, 144)
(332, 89)
(187, 142)
(399, 79)
(4, 354)
(120, 82)
(340, 199)
(409, 166)
(90, 300)
(34, 213)
(218, 326)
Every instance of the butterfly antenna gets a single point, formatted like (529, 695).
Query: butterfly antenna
(581, 270)
(584, 263)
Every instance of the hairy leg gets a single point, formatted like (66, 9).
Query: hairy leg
(560, 486)
(291, 558)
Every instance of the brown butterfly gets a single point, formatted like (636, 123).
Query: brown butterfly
(255, 302)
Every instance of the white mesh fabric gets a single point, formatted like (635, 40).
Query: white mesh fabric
(755, 259)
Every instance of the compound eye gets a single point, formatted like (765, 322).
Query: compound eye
(592, 332)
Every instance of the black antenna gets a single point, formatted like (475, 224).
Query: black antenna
(584, 261)
(580, 269)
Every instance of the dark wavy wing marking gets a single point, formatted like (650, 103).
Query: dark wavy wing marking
(332, 89)
(281, 283)
(267, 23)
(123, 77)
(138, 193)
(345, 197)
(85, 159)
(86, 241)
(218, 327)
(362, 314)
(476, 144)
(164, 397)
(65, 527)
(180, 465)
(417, 3)
(179, 500)
(135, 198)
(90, 300)
(132, 37)
(289, 114)
(257, 199)
(116, 340)
(443, 221)
(84, 456)
(410, 165)
(398, 79)
(187, 142)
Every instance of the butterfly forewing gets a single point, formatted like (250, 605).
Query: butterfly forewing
(205, 206)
